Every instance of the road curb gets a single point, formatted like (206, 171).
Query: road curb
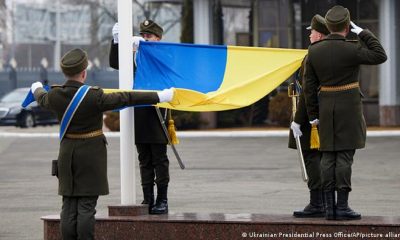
(200, 134)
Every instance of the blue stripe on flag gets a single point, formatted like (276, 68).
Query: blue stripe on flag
(201, 69)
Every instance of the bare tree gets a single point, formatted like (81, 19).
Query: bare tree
(103, 15)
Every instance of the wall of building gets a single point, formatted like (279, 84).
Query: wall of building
(24, 78)
(283, 24)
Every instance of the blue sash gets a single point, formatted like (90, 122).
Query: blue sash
(73, 105)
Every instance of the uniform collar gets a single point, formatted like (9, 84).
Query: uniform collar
(335, 36)
(73, 83)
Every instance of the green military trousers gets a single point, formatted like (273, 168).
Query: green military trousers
(312, 160)
(77, 217)
(336, 170)
(153, 163)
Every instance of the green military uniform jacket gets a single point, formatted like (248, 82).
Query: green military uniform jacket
(336, 61)
(301, 117)
(82, 163)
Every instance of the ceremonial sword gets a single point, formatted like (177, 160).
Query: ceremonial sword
(293, 93)
(162, 122)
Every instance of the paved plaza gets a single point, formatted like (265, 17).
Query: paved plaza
(224, 174)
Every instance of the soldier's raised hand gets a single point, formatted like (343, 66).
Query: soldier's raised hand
(115, 33)
(355, 29)
(136, 41)
(35, 86)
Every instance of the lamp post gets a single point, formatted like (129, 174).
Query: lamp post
(43, 71)
(57, 45)
(13, 73)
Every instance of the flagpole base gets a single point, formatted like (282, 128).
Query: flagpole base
(128, 210)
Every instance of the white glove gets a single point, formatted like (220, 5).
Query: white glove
(166, 95)
(136, 41)
(115, 32)
(296, 129)
(314, 122)
(35, 86)
(355, 29)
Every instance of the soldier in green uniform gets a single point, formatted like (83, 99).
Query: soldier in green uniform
(82, 159)
(302, 128)
(333, 100)
(151, 142)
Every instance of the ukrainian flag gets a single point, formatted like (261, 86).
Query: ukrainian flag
(213, 78)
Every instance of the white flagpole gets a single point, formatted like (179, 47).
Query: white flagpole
(127, 138)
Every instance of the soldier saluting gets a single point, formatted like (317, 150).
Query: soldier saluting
(333, 100)
(82, 159)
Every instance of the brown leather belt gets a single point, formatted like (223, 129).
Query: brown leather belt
(84, 135)
(339, 88)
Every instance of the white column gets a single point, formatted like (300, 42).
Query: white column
(127, 138)
(57, 44)
(202, 35)
(388, 88)
(202, 21)
(389, 99)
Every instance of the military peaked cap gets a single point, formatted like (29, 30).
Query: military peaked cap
(148, 26)
(318, 24)
(74, 62)
(337, 18)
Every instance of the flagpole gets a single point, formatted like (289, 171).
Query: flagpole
(127, 136)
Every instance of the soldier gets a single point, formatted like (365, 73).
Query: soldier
(82, 159)
(333, 100)
(150, 139)
(301, 127)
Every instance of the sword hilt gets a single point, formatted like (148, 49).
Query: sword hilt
(292, 90)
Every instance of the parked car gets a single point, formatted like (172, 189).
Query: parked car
(12, 114)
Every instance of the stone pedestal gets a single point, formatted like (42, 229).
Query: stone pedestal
(389, 116)
(176, 226)
(128, 210)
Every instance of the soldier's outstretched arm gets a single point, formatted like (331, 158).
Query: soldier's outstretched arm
(117, 100)
(40, 94)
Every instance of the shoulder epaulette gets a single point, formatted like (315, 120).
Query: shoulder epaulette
(352, 40)
(56, 86)
(95, 87)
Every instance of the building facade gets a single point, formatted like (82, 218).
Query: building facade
(263, 23)
(282, 23)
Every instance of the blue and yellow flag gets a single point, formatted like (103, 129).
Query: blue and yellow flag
(213, 78)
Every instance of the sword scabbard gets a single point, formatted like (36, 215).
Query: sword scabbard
(162, 122)
(292, 93)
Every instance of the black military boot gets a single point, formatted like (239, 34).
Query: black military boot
(148, 196)
(161, 206)
(330, 205)
(343, 211)
(314, 209)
